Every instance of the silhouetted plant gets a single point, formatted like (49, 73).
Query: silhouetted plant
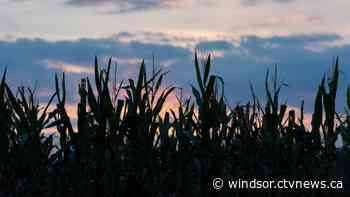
(130, 145)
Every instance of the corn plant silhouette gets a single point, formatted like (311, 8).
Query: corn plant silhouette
(130, 145)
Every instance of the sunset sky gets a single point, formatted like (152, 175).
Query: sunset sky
(245, 37)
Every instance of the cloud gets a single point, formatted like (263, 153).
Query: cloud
(239, 63)
(32, 61)
(123, 6)
(68, 68)
(255, 2)
(291, 19)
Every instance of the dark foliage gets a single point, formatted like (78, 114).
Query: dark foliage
(131, 146)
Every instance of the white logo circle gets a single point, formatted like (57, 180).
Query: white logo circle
(218, 183)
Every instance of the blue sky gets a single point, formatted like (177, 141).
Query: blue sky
(246, 37)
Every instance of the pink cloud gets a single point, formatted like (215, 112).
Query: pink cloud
(68, 68)
(131, 5)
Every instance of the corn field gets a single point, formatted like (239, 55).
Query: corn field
(130, 145)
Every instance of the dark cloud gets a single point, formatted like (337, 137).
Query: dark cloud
(88, 2)
(26, 59)
(298, 66)
(122, 6)
(214, 45)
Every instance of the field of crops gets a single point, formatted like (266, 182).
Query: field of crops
(126, 144)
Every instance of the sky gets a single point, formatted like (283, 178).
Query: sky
(39, 38)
